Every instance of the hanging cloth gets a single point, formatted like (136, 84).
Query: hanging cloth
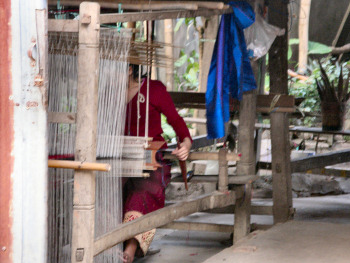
(230, 71)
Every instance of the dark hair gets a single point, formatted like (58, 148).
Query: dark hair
(135, 71)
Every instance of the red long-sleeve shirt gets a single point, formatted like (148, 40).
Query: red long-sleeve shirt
(160, 102)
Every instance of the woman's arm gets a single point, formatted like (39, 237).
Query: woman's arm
(166, 106)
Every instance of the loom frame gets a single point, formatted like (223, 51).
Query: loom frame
(84, 245)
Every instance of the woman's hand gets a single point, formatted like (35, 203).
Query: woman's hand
(182, 152)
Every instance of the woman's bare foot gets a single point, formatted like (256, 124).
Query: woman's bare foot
(129, 251)
(127, 258)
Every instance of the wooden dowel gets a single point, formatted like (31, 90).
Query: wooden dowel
(105, 167)
(204, 156)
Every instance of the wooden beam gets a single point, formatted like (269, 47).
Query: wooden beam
(265, 103)
(161, 15)
(199, 142)
(63, 25)
(85, 144)
(164, 216)
(246, 165)
(232, 179)
(275, 100)
(204, 156)
(127, 5)
(255, 210)
(319, 161)
(278, 66)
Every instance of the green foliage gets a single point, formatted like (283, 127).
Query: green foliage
(313, 47)
(168, 131)
(190, 79)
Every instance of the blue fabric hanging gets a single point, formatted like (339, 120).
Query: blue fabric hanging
(230, 71)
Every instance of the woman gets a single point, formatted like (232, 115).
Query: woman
(142, 196)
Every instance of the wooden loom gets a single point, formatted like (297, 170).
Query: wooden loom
(84, 244)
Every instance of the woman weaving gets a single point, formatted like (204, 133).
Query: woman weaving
(142, 196)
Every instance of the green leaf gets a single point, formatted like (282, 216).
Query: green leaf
(293, 41)
(178, 24)
(318, 48)
(290, 52)
(181, 61)
(313, 47)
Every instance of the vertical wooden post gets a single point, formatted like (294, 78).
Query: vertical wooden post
(86, 126)
(278, 66)
(223, 170)
(304, 15)
(169, 52)
(246, 165)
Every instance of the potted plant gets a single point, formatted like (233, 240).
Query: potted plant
(333, 95)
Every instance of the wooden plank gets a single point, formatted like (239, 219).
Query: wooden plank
(194, 226)
(161, 15)
(204, 156)
(303, 129)
(278, 109)
(164, 216)
(278, 66)
(199, 142)
(61, 117)
(85, 143)
(319, 161)
(233, 179)
(187, 97)
(196, 100)
(267, 100)
(255, 210)
(63, 25)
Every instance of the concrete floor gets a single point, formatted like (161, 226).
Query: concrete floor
(319, 224)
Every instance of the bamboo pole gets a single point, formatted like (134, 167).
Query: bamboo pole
(304, 15)
(169, 52)
(105, 167)
(85, 145)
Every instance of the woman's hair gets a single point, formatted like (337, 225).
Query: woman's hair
(135, 71)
